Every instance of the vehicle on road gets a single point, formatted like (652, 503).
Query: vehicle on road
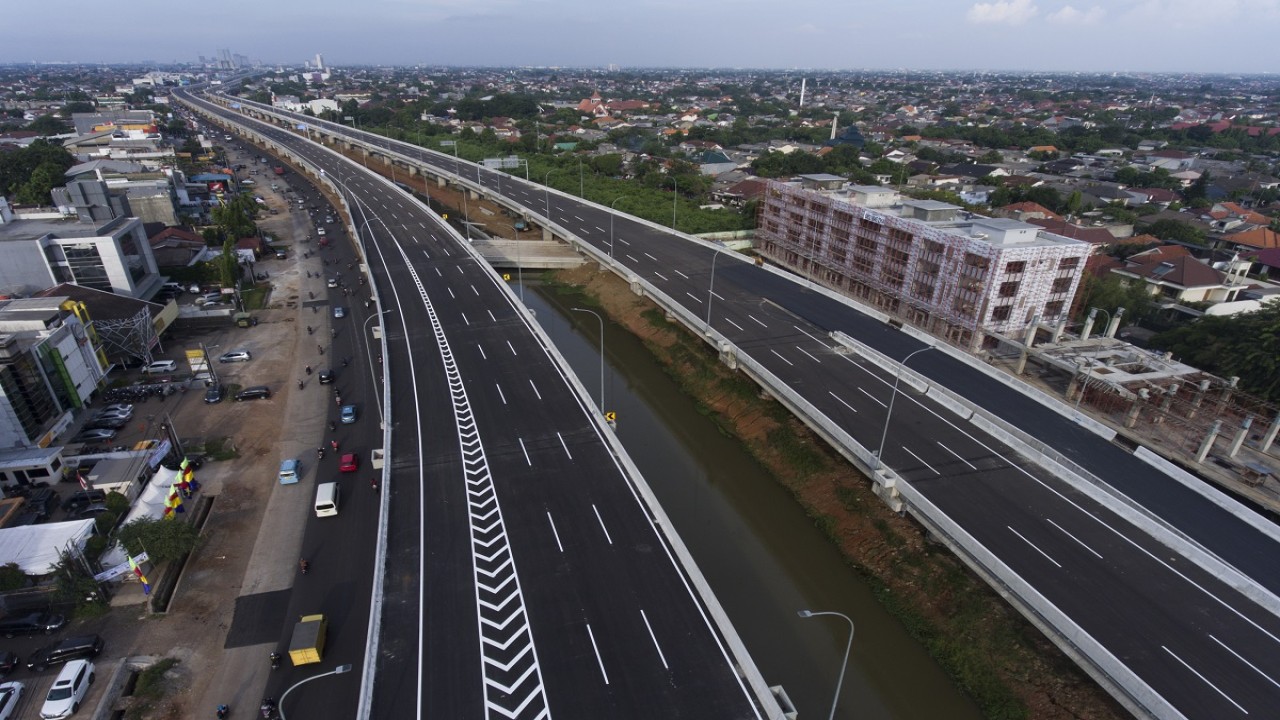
(68, 690)
(349, 463)
(333, 282)
(118, 407)
(339, 311)
(214, 394)
(348, 414)
(9, 662)
(10, 698)
(110, 422)
(289, 471)
(254, 393)
(160, 366)
(326, 377)
(72, 648)
(307, 644)
(235, 356)
(31, 624)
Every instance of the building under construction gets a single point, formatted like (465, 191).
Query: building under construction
(947, 271)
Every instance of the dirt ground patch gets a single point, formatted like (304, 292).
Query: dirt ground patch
(999, 659)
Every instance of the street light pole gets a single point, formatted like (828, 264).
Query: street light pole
(847, 648)
(897, 377)
(711, 287)
(593, 312)
(615, 202)
(674, 194)
(336, 671)
(581, 194)
(546, 192)
(372, 375)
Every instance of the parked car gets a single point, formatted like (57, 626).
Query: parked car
(43, 501)
(83, 498)
(350, 463)
(348, 414)
(160, 366)
(95, 435)
(68, 690)
(91, 511)
(125, 415)
(111, 422)
(339, 311)
(8, 663)
(254, 393)
(326, 377)
(332, 282)
(214, 394)
(118, 407)
(72, 648)
(10, 698)
(235, 356)
(31, 624)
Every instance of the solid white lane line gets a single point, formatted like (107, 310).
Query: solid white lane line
(695, 297)
(873, 398)
(920, 459)
(1246, 662)
(686, 277)
(501, 395)
(841, 401)
(601, 521)
(734, 324)
(957, 456)
(563, 445)
(1073, 537)
(651, 257)
(513, 348)
(753, 317)
(1033, 546)
(775, 352)
(664, 279)
(1205, 679)
(597, 651)
(811, 337)
(525, 450)
(554, 532)
(653, 637)
(806, 352)
(535, 389)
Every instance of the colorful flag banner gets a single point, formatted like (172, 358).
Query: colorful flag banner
(137, 571)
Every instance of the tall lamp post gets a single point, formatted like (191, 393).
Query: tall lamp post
(897, 377)
(336, 671)
(546, 192)
(466, 215)
(675, 194)
(847, 648)
(593, 312)
(611, 207)
(711, 287)
(372, 375)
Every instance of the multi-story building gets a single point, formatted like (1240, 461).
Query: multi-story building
(953, 273)
(113, 257)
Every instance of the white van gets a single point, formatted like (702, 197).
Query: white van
(327, 499)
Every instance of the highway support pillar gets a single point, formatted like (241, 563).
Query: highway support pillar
(1207, 444)
(1270, 437)
(1131, 417)
(728, 356)
(1241, 434)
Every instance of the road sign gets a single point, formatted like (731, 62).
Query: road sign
(506, 277)
(611, 416)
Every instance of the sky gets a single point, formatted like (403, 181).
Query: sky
(1213, 36)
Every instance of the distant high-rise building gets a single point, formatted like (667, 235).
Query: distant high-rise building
(319, 61)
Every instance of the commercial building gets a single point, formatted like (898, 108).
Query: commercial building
(953, 273)
(113, 257)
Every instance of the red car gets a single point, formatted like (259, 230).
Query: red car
(350, 463)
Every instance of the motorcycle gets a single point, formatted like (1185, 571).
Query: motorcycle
(275, 660)
(320, 453)
(304, 566)
(222, 712)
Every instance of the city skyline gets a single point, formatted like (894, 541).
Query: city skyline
(1178, 36)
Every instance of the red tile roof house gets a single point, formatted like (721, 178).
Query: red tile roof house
(1182, 279)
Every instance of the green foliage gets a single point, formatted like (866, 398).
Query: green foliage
(28, 175)
(1246, 346)
(1174, 230)
(235, 218)
(1158, 178)
(1111, 292)
(49, 125)
(160, 538)
(12, 577)
(73, 584)
(79, 106)
(150, 689)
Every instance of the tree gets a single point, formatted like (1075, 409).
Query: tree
(1245, 345)
(161, 539)
(12, 577)
(49, 125)
(1174, 230)
(1111, 292)
(18, 171)
(991, 157)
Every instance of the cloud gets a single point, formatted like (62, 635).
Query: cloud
(1006, 12)
(1068, 15)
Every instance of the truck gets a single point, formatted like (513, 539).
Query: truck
(279, 169)
(307, 644)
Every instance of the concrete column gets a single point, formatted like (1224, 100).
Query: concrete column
(1241, 434)
(1207, 444)
(728, 356)
(1270, 437)
(547, 234)
(1114, 325)
(1058, 329)
(1167, 402)
(440, 182)
(1131, 417)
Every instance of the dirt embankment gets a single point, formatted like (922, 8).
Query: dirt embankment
(999, 659)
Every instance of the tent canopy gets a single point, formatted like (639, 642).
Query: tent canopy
(36, 548)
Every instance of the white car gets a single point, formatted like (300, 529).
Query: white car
(118, 408)
(160, 366)
(10, 696)
(68, 690)
(235, 356)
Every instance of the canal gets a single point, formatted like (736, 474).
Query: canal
(761, 554)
